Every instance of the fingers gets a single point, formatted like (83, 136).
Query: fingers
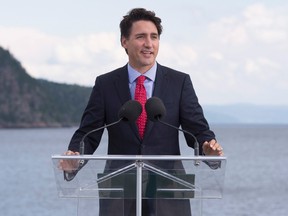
(69, 165)
(71, 153)
(215, 146)
(212, 148)
(206, 147)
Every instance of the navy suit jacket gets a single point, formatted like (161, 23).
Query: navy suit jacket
(111, 91)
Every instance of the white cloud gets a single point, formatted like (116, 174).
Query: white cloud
(229, 31)
(70, 60)
(257, 15)
(241, 58)
(265, 24)
(257, 22)
(181, 55)
(252, 45)
(83, 49)
(216, 55)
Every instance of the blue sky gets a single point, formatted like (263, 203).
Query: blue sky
(235, 51)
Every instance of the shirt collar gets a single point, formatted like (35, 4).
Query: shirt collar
(134, 74)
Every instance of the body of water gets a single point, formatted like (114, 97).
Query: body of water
(255, 181)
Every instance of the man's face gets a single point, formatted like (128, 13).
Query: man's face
(142, 45)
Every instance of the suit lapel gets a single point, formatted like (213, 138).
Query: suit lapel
(160, 82)
(122, 89)
(122, 85)
(159, 91)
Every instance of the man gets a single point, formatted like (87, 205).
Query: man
(140, 36)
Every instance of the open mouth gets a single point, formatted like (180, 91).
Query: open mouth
(147, 53)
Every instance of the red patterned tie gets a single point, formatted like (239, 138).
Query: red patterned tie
(140, 95)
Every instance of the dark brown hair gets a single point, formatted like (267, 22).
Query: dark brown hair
(138, 14)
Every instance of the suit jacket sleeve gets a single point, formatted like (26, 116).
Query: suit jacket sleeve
(93, 117)
(192, 116)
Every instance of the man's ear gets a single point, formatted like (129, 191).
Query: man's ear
(123, 42)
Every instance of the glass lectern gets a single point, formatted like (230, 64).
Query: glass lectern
(116, 184)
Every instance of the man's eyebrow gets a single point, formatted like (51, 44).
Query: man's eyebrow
(154, 34)
(140, 34)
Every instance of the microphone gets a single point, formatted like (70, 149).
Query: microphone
(130, 111)
(156, 110)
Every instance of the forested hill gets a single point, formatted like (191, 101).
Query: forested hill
(29, 102)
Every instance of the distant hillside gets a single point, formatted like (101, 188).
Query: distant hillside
(246, 114)
(30, 102)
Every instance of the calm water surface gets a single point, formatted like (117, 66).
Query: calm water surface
(255, 182)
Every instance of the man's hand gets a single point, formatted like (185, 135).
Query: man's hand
(69, 165)
(212, 148)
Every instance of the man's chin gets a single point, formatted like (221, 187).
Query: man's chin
(148, 62)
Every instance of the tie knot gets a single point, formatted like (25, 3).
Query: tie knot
(140, 80)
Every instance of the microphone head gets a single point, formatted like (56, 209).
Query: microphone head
(130, 111)
(155, 109)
